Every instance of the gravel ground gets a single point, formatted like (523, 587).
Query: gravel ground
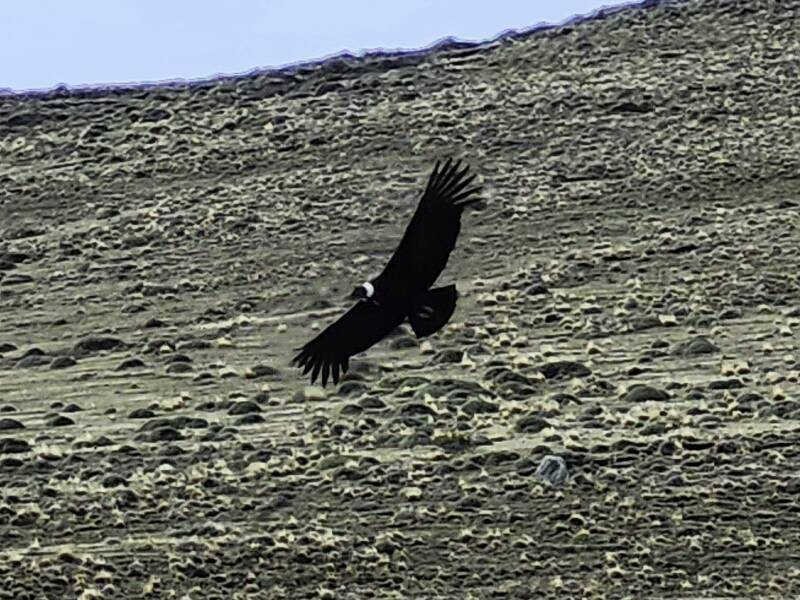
(629, 313)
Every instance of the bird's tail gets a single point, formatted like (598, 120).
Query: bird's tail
(433, 311)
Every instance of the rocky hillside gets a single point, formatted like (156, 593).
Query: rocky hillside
(630, 309)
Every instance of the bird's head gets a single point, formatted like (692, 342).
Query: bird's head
(364, 292)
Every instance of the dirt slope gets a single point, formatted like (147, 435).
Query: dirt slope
(630, 302)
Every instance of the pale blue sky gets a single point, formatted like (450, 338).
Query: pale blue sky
(77, 42)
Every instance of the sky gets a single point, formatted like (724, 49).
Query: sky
(44, 43)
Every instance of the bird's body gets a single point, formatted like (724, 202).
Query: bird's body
(403, 290)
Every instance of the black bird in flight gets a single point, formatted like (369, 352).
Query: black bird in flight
(403, 290)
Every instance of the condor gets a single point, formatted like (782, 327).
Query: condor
(403, 290)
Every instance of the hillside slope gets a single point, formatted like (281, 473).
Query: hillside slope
(630, 302)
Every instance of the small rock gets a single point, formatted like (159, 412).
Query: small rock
(552, 469)
(133, 308)
(106, 212)
(198, 344)
(372, 403)
(448, 355)
(726, 384)
(476, 406)
(114, 480)
(95, 344)
(695, 346)
(8, 424)
(249, 419)
(310, 393)
(179, 422)
(183, 358)
(162, 434)
(16, 279)
(243, 408)
(228, 373)
(101, 442)
(411, 493)
(223, 342)
(130, 363)
(153, 323)
(257, 371)
(537, 289)
(469, 502)
(141, 413)
(13, 446)
(34, 351)
(564, 398)
(403, 341)
(350, 410)
(564, 368)
(416, 409)
(14, 258)
(62, 362)
(642, 393)
(494, 458)
(33, 360)
(349, 388)
(503, 375)
(532, 423)
(730, 313)
(179, 367)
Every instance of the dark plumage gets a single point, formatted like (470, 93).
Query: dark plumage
(403, 289)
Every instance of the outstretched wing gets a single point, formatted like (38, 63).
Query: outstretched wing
(431, 234)
(356, 330)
